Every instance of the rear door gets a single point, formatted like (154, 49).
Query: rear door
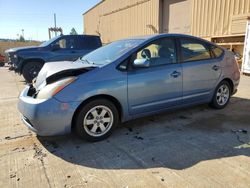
(201, 70)
(158, 86)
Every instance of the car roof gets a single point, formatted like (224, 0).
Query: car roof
(158, 36)
(80, 35)
(155, 36)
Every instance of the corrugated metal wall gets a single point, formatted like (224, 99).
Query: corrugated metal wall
(219, 17)
(116, 19)
(176, 16)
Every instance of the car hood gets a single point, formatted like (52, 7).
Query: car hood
(54, 71)
(11, 50)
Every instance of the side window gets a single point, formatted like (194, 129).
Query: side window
(160, 52)
(71, 44)
(62, 43)
(66, 43)
(217, 51)
(192, 50)
(89, 42)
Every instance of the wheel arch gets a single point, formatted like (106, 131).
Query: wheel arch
(92, 98)
(230, 83)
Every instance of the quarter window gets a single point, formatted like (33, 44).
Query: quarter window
(217, 51)
(193, 50)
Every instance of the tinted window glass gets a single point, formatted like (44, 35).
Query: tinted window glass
(49, 41)
(71, 43)
(67, 43)
(193, 50)
(217, 51)
(62, 43)
(89, 42)
(160, 52)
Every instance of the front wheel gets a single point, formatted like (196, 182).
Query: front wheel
(221, 96)
(31, 70)
(96, 120)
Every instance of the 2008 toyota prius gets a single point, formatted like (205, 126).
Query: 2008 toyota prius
(128, 79)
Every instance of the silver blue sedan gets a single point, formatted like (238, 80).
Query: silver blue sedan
(128, 79)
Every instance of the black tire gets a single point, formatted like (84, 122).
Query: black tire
(31, 70)
(86, 114)
(215, 103)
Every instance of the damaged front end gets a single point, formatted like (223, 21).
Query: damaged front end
(55, 83)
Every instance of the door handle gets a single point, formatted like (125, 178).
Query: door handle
(175, 74)
(215, 67)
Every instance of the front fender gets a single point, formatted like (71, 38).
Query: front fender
(102, 83)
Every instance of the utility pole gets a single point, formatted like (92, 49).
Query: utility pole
(23, 32)
(55, 23)
(54, 29)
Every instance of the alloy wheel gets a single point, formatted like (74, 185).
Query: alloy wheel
(222, 95)
(98, 121)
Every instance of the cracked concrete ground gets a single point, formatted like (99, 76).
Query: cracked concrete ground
(194, 147)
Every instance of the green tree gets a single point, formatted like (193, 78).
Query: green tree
(21, 39)
(73, 31)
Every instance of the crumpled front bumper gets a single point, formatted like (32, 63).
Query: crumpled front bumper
(46, 117)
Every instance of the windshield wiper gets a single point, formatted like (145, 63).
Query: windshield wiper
(87, 61)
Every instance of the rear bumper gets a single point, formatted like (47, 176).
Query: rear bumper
(236, 84)
(46, 117)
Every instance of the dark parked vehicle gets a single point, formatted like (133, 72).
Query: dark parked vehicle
(28, 61)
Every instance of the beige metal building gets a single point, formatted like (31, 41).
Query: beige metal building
(221, 21)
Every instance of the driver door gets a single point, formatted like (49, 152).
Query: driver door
(158, 86)
(67, 50)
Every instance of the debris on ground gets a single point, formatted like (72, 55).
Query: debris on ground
(183, 117)
(130, 129)
(12, 175)
(237, 131)
(138, 137)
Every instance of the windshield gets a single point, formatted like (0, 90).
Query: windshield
(46, 43)
(111, 52)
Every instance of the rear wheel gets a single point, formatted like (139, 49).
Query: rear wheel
(222, 95)
(31, 70)
(96, 120)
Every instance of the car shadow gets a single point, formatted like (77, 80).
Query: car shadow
(176, 140)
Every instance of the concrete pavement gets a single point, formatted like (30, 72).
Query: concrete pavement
(194, 147)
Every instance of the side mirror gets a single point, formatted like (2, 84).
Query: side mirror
(55, 47)
(141, 63)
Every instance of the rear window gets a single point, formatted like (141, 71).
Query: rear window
(217, 51)
(89, 42)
